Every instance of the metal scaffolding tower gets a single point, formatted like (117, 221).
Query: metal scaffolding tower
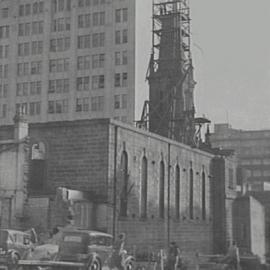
(170, 110)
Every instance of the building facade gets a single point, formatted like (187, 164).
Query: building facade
(152, 188)
(70, 59)
(252, 148)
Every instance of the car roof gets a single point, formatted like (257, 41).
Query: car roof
(89, 232)
(13, 231)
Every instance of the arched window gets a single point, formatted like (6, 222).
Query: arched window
(161, 190)
(124, 185)
(177, 191)
(191, 194)
(203, 197)
(144, 188)
(37, 168)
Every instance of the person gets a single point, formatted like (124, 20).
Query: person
(232, 258)
(173, 256)
(118, 248)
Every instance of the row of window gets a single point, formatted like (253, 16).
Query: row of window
(84, 20)
(33, 68)
(161, 188)
(98, 40)
(61, 5)
(33, 48)
(26, 88)
(83, 104)
(33, 28)
(28, 9)
(33, 108)
(87, 3)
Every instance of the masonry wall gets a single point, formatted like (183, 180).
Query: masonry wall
(190, 234)
(249, 226)
(75, 155)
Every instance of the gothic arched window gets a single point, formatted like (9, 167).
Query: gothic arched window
(144, 188)
(124, 185)
(162, 190)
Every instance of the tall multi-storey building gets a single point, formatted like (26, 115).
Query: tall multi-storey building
(71, 59)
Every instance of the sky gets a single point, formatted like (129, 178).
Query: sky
(231, 56)
(231, 52)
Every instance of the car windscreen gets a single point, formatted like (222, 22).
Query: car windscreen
(100, 240)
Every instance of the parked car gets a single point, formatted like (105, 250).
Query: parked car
(92, 248)
(14, 245)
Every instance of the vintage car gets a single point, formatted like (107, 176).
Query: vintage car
(92, 248)
(14, 245)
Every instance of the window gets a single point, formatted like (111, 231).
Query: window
(125, 36)
(97, 103)
(98, 81)
(117, 102)
(37, 27)
(124, 58)
(121, 15)
(191, 184)
(117, 37)
(124, 79)
(59, 44)
(3, 71)
(124, 185)
(144, 174)
(58, 106)
(203, 196)
(98, 40)
(120, 101)
(83, 62)
(59, 65)
(61, 24)
(118, 15)
(84, 21)
(231, 179)
(117, 79)
(98, 18)
(177, 192)
(22, 108)
(162, 190)
(83, 83)
(36, 67)
(22, 89)
(117, 58)
(4, 13)
(3, 90)
(34, 108)
(22, 69)
(82, 104)
(4, 31)
(84, 42)
(98, 61)
(59, 86)
(37, 47)
(35, 88)
(4, 110)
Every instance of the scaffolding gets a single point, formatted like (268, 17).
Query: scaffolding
(171, 65)
(178, 12)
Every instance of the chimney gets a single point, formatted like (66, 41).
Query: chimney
(20, 126)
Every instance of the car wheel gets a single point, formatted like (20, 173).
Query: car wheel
(129, 266)
(94, 265)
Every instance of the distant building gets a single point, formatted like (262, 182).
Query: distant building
(72, 59)
(252, 148)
